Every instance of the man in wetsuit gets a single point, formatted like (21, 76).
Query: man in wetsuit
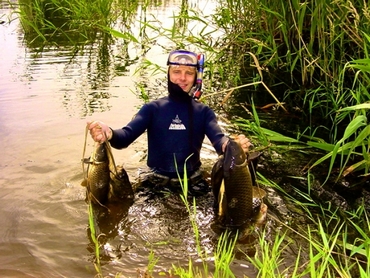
(175, 125)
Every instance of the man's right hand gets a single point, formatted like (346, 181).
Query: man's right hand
(100, 132)
(242, 140)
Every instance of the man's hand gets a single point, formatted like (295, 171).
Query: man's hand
(100, 132)
(242, 140)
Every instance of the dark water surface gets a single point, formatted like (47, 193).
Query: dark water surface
(45, 100)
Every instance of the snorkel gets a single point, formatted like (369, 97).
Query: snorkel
(198, 86)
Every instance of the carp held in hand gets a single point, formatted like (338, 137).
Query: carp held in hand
(104, 180)
(232, 185)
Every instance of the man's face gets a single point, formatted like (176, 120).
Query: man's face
(184, 76)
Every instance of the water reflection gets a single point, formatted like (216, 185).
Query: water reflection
(90, 58)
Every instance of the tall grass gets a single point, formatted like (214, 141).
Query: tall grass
(309, 40)
(353, 147)
(314, 55)
(350, 153)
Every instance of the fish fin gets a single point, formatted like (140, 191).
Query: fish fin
(84, 183)
(87, 161)
(222, 202)
(112, 163)
(261, 215)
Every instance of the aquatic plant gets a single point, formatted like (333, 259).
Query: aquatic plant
(192, 211)
(152, 262)
(355, 142)
(310, 41)
(331, 243)
(353, 147)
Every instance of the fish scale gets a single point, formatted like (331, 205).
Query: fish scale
(239, 195)
(98, 175)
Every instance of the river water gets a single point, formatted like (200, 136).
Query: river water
(46, 97)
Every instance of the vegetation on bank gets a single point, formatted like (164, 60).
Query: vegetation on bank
(310, 58)
(313, 55)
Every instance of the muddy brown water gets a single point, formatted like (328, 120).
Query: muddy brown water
(45, 100)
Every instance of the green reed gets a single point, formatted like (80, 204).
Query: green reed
(268, 259)
(192, 211)
(311, 48)
(152, 262)
(307, 39)
(355, 142)
(94, 238)
(351, 151)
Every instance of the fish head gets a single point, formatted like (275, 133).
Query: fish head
(100, 153)
(234, 155)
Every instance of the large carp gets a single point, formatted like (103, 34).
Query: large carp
(104, 180)
(232, 185)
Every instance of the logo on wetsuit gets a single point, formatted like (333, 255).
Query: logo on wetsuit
(177, 124)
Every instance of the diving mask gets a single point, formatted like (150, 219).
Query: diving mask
(183, 58)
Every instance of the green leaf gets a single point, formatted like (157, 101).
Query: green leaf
(118, 34)
(365, 105)
(322, 146)
(275, 136)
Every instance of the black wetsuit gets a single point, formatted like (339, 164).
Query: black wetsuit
(175, 128)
